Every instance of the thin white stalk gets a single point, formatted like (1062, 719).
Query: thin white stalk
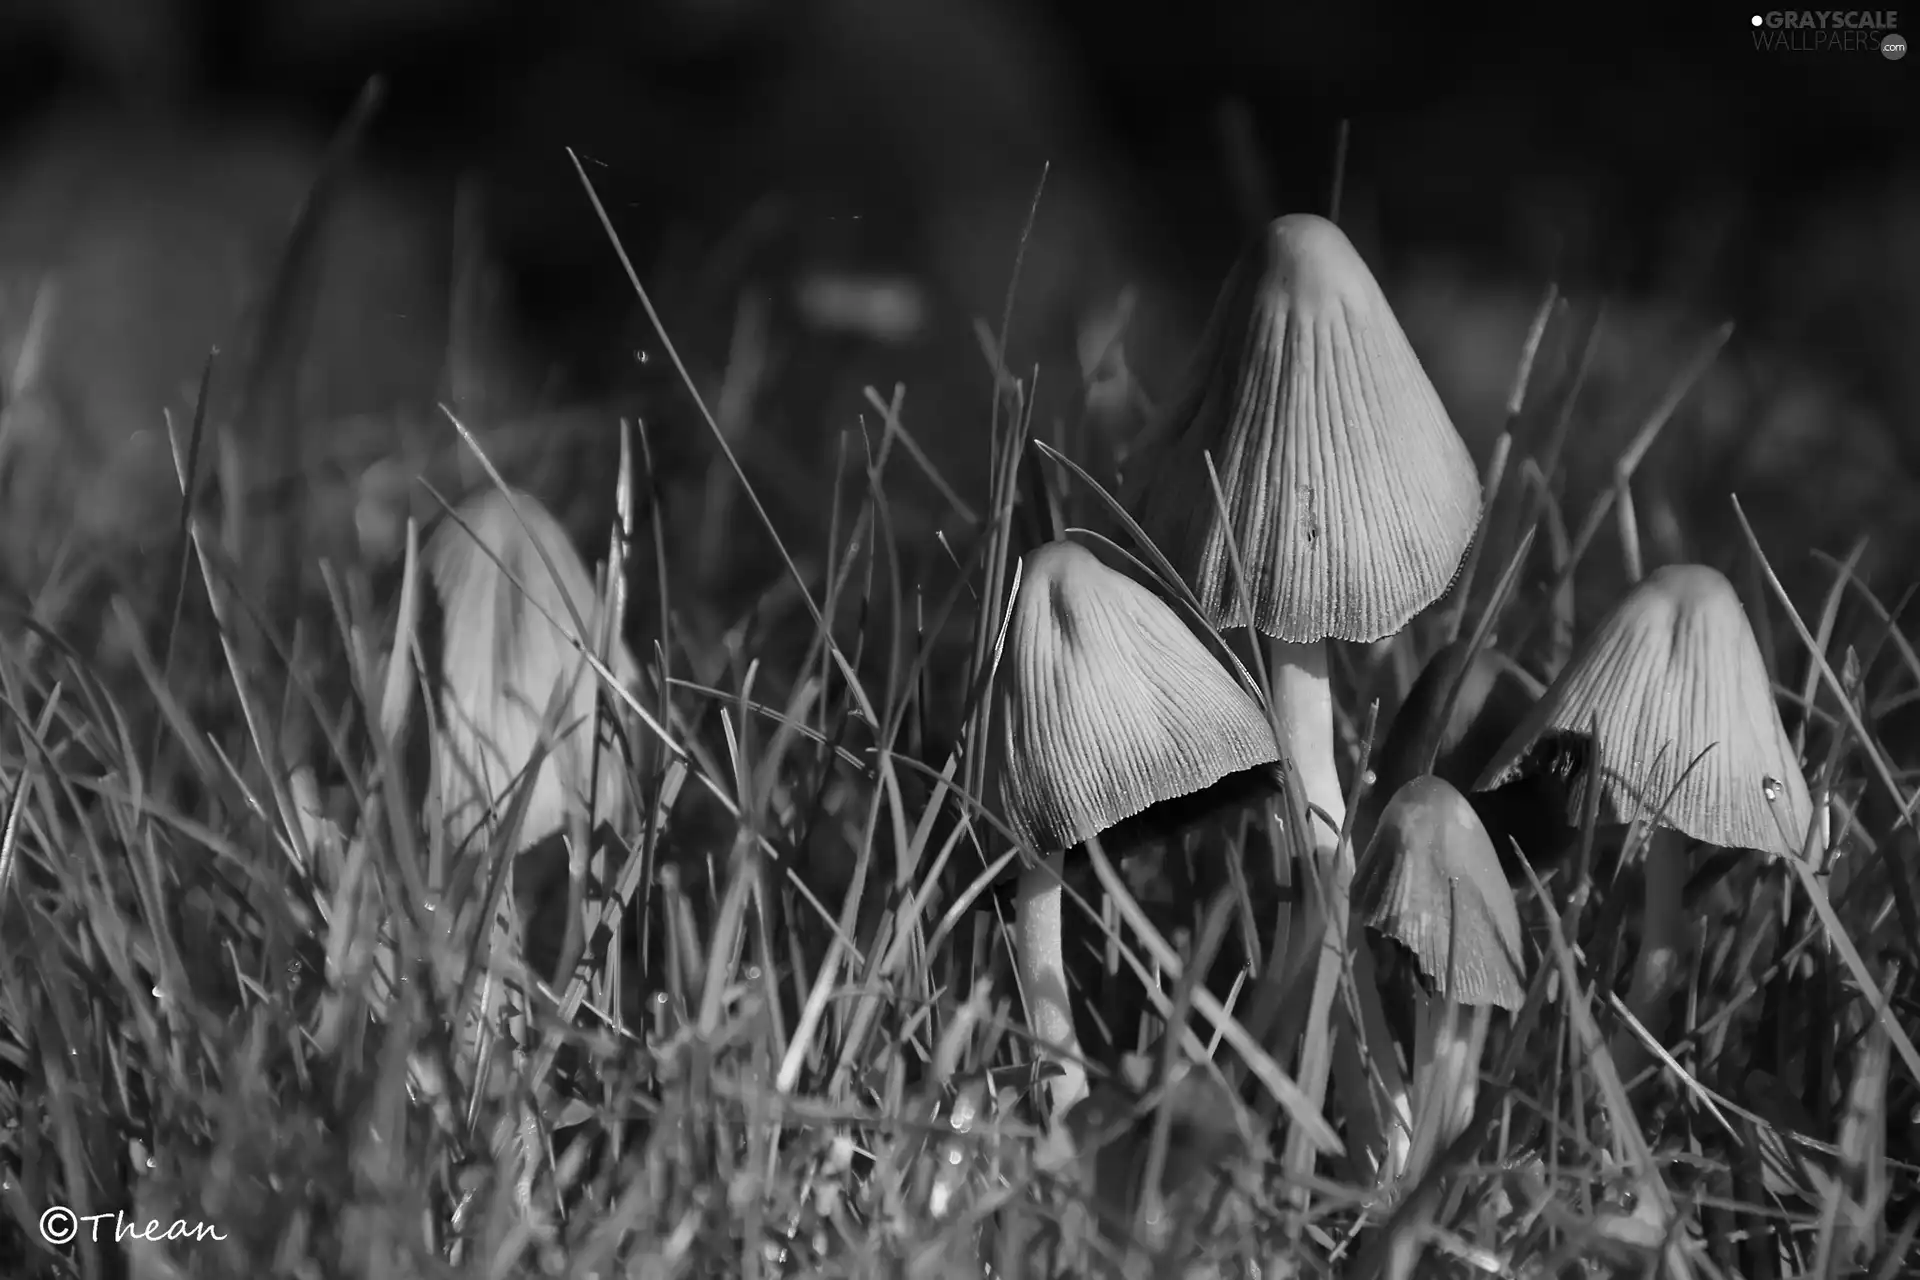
(1042, 965)
(1303, 705)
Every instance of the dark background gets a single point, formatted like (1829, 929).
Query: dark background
(1459, 115)
(1656, 158)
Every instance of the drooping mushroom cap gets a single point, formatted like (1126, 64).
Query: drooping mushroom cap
(1347, 490)
(1109, 704)
(1672, 672)
(502, 658)
(1431, 882)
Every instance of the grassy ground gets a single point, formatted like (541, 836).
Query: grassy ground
(236, 967)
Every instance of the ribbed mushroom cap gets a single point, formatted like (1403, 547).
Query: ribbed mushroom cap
(500, 662)
(1347, 490)
(1672, 672)
(1432, 883)
(1109, 704)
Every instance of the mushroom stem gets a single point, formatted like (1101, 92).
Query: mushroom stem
(1304, 703)
(1662, 929)
(1447, 1040)
(1042, 966)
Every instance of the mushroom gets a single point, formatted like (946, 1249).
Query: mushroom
(1109, 705)
(1672, 690)
(1432, 886)
(510, 586)
(1348, 494)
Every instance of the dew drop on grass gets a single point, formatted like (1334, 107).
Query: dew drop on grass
(1770, 787)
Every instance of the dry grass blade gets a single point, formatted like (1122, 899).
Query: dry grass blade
(1823, 638)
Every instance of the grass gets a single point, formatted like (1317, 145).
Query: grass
(238, 971)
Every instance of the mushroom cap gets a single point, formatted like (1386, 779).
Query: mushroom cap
(1348, 492)
(1431, 882)
(1109, 704)
(501, 661)
(1672, 672)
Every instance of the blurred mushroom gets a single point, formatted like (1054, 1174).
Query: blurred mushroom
(510, 586)
(1109, 705)
(1674, 693)
(1431, 884)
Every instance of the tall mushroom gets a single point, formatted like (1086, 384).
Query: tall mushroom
(1347, 492)
(507, 652)
(1432, 885)
(1674, 688)
(1108, 705)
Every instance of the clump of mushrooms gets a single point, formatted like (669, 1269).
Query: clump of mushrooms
(1673, 692)
(1344, 491)
(1108, 705)
(1431, 885)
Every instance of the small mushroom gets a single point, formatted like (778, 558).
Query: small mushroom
(1432, 886)
(508, 651)
(1672, 690)
(1108, 705)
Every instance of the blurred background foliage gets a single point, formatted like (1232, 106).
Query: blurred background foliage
(824, 195)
